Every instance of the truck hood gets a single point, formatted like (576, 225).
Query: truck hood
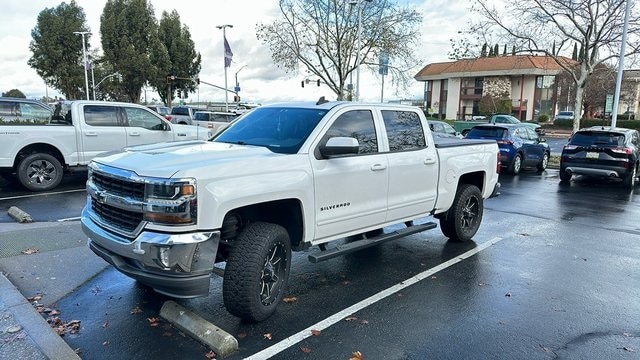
(164, 160)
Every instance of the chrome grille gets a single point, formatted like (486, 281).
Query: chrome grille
(115, 217)
(119, 186)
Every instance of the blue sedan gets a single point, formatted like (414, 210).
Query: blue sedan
(520, 146)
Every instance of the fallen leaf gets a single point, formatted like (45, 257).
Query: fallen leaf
(507, 294)
(501, 322)
(546, 349)
(350, 318)
(364, 322)
(305, 349)
(35, 297)
(315, 332)
(153, 321)
(95, 290)
(290, 299)
(135, 310)
(524, 234)
(434, 277)
(242, 335)
(346, 282)
(626, 334)
(30, 251)
(166, 334)
(356, 356)
(59, 330)
(105, 343)
(626, 348)
(105, 324)
(267, 336)
(54, 312)
(210, 355)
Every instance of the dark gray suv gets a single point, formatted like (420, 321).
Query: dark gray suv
(602, 151)
(24, 110)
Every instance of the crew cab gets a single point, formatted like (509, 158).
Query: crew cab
(40, 152)
(282, 177)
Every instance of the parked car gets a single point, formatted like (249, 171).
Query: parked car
(442, 129)
(564, 115)
(20, 109)
(628, 115)
(213, 120)
(520, 146)
(162, 110)
(182, 115)
(463, 126)
(602, 151)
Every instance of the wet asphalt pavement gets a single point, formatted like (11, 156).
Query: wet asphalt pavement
(554, 272)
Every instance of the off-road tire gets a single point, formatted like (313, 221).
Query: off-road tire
(542, 165)
(516, 164)
(461, 222)
(39, 172)
(564, 176)
(257, 271)
(631, 178)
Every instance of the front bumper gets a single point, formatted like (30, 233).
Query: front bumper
(177, 265)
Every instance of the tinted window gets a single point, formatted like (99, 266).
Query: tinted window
(223, 117)
(142, 118)
(201, 116)
(281, 130)
(404, 130)
(96, 115)
(588, 138)
(356, 124)
(9, 109)
(487, 132)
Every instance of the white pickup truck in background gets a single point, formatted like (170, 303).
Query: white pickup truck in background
(78, 131)
(282, 177)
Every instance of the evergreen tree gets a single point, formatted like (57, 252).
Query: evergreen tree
(483, 53)
(504, 50)
(553, 49)
(574, 56)
(513, 50)
(14, 93)
(496, 50)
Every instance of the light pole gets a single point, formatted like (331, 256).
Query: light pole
(237, 88)
(84, 58)
(357, 3)
(224, 37)
(117, 74)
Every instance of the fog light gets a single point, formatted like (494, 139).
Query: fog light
(163, 256)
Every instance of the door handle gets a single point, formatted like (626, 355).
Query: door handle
(429, 161)
(91, 133)
(135, 133)
(378, 167)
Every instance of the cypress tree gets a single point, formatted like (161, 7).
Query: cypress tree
(513, 50)
(504, 50)
(575, 52)
(483, 53)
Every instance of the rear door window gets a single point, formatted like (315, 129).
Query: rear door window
(488, 132)
(96, 115)
(404, 130)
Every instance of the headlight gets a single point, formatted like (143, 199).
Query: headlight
(171, 202)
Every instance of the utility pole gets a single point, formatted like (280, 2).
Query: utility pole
(84, 59)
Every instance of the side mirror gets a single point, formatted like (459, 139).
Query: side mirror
(337, 146)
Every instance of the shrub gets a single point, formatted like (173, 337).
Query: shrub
(568, 123)
(543, 118)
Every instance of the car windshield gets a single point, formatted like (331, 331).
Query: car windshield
(589, 138)
(566, 113)
(487, 132)
(280, 129)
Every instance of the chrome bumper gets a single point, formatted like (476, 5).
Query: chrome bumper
(177, 265)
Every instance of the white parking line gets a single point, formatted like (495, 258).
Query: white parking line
(41, 194)
(333, 319)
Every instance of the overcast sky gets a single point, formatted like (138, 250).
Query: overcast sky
(260, 80)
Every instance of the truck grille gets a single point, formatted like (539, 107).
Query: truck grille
(120, 187)
(125, 220)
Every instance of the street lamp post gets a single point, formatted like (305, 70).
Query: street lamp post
(84, 59)
(224, 37)
(237, 88)
(117, 74)
(357, 3)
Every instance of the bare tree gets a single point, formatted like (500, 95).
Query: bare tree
(320, 36)
(596, 25)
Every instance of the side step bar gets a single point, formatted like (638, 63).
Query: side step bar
(348, 248)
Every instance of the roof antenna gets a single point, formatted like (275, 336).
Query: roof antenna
(322, 100)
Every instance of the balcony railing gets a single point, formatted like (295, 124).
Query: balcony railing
(471, 93)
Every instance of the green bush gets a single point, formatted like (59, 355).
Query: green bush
(568, 123)
(543, 118)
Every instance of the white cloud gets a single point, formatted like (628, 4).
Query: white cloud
(261, 80)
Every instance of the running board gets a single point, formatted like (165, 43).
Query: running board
(354, 246)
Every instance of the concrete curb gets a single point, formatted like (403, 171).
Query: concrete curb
(48, 343)
(222, 343)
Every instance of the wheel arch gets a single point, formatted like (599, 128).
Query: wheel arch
(476, 178)
(39, 148)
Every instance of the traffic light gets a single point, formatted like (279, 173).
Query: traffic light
(236, 98)
(179, 93)
(318, 82)
(302, 83)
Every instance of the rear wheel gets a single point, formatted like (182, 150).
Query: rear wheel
(257, 271)
(564, 175)
(516, 164)
(630, 180)
(542, 165)
(461, 222)
(40, 172)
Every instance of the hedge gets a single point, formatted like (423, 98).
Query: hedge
(568, 123)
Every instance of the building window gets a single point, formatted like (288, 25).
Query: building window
(442, 107)
(544, 99)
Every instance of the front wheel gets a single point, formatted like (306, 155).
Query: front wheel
(461, 222)
(542, 165)
(40, 172)
(257, 271)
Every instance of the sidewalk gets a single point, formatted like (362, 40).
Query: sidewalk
(51, 270)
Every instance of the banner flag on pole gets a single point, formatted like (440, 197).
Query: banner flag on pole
(228, 55)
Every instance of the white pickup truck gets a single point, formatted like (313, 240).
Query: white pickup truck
(79, 130)
(283, 177)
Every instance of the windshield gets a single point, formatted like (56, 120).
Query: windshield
(567, 113)
(281, 129)
(588, 138)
